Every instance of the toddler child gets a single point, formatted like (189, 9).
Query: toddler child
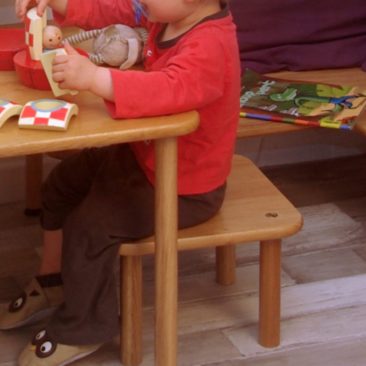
(97, 198)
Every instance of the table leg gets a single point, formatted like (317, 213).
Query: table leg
(166, 273)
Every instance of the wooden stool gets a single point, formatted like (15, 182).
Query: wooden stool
(253, 210)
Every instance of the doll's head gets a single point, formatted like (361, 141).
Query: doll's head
(52, 37)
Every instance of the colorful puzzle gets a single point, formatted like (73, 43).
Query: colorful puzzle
(8, 109)
(47, 114)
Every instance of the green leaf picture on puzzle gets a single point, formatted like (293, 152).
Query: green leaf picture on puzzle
(314, 104)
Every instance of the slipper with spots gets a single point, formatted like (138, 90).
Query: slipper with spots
(38, 300)
(43, 351)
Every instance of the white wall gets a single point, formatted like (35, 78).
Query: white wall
(7, 13)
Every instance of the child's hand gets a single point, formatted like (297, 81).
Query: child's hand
(73, 71)
(21, 7)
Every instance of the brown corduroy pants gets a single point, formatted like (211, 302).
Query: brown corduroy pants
(100, 198)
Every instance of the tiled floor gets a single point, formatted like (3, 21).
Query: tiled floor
(323, 279)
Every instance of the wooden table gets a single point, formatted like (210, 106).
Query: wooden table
(94, 127)
(353, 76)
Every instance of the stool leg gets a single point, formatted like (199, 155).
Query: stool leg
(225, 264)
(33, 182)
(270, 293)
(131, 310)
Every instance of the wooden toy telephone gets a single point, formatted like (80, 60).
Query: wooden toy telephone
(37, 44)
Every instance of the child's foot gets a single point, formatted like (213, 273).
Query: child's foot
(43, 351)
(38, 300)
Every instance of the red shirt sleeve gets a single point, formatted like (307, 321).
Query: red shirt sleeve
(184, 78)
(88, 14)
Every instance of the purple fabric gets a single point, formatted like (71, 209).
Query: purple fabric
(300, 34)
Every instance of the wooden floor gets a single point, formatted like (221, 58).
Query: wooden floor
(324, 282)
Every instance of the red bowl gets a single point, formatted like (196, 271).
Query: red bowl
(12, 40)
(30, 72)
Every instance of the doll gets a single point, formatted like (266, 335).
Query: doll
(116, 45)
(52, 37)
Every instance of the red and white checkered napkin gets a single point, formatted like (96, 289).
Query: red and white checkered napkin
(50, 114)
(8, 109)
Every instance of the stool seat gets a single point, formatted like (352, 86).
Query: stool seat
(253, 210)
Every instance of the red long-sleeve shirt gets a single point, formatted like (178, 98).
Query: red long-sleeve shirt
(198, 70)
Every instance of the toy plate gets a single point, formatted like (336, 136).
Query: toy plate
(47, 114)
(8, 109)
